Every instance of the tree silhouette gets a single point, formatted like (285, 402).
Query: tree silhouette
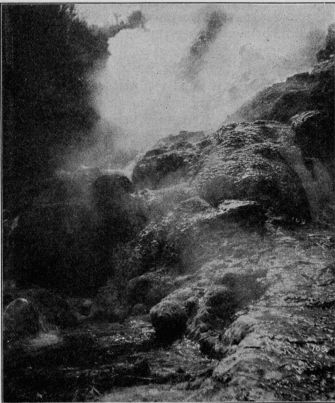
(47, 54)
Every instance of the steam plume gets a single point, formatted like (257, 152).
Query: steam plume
(192, 67)
(194, 61)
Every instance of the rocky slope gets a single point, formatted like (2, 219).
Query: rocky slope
(209, 276)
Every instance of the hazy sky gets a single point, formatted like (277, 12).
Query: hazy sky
(141, 89)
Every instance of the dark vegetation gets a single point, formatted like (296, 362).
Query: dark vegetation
(47, 55)
(67, 225)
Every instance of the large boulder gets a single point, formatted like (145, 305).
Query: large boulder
(169, 320)
(299, 93)
(148, 289)
(166, 165)
(245, 161)
(177, 238)
(51, 308)
(169, 317)
(20, 319)
(314, 133)
(249, 162)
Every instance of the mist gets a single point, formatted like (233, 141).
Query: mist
(190, 65)
(193, 63)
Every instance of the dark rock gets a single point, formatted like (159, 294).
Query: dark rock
(107, 305)
(170, 241)
(112, 186)
(160, 201)
(51, 308)
(215, 311)
(169, 319)
(249, 163)
(148, 289)
(243, 212)
(142, 368)
(81, 306)
(314, 134)
(218, 296)
(85, 307)
(165, 167)
(139, 309)
(298, 94)
(183, 136)
(246, 161)
(195, 205)
(20, 319)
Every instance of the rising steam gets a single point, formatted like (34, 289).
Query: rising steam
(193, 63)
(192, 66)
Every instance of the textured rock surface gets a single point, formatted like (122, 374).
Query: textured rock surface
(314, 134)
(166, 165)
(20, 319)
(248, 163)
(51, 309)
(300, 93)
(169, 317)
(243, 161)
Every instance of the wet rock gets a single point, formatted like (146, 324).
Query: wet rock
(81, 306)
(160, 201)
(245, 161)
(169, 241)
(139, 309)
(108, 314)
(165, 166)
(243, 212)
(86, 306)
(20, 319)
(52, 309)
(247, 164)
(107, 304)
(216, 309)
(169, 319)
(314, 134)
(148, 289)
(300, 93)
(195, 205)
(170, 316)
(182, 137)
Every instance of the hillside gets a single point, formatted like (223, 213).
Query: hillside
(208, 275)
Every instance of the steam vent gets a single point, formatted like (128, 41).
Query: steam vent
(168, 209)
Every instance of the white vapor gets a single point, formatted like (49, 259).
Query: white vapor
(141, 91)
